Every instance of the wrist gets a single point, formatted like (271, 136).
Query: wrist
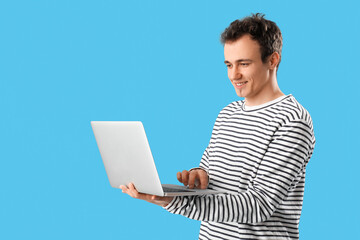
(168, 204)
(167, 201)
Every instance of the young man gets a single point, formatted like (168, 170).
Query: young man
(258, 150)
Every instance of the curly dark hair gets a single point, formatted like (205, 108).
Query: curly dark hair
(264, 31)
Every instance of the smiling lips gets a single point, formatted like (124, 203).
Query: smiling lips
(239, 84)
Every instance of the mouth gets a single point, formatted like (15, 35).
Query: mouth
(240, 84)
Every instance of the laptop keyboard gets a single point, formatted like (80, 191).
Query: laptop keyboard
(167, 189)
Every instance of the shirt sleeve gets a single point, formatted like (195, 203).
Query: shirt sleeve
(204, 163)
(279, 171)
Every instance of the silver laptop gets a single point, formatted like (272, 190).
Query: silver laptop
(127, 157)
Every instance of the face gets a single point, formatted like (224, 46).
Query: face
(250, 77)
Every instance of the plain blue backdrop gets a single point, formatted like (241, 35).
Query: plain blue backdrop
(65, 63)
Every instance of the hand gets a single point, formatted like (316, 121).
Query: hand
(197, 178)
(132, 192)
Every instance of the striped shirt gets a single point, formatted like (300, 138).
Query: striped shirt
(258, 155)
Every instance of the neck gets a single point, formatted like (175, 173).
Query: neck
(270, 92)
(266, 99)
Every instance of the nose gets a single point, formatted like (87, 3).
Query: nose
(234, 73)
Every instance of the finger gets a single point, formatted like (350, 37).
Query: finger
(185, 177)
(132, 191)
(123, 188)
(192, 177)
(135, 194)
(204, 179)
(178, 176)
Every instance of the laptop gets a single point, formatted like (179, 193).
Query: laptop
(127, 158)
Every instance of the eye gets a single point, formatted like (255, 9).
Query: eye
(228, 65)
(244, 64)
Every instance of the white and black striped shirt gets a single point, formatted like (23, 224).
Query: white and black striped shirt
(258, 154)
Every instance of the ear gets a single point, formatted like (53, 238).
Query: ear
(274, 60)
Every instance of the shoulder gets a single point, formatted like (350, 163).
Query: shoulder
(292, 113)
(231, 108)
(229, 111)
(294, 110)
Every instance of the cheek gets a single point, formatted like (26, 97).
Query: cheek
(255, 75)
(250, 75)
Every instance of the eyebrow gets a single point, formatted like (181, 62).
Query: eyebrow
(239, 60)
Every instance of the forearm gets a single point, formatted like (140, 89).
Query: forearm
(244, 208)
(277, 175)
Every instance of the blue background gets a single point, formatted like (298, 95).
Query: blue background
(65, 63)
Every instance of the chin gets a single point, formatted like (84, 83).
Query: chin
(239, 94)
